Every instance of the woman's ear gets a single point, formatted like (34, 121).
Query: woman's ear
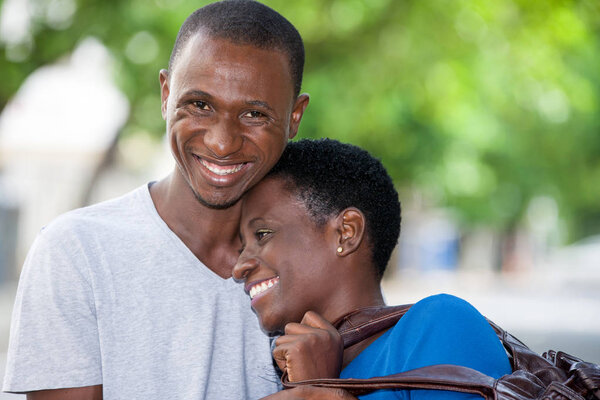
(350, 230)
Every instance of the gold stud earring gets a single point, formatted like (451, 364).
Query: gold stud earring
(339, 249)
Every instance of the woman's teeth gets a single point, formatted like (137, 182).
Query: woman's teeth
(262, 286)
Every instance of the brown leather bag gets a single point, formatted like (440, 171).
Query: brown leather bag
(552, 376)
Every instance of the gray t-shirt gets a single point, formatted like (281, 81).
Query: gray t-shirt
(110, 295)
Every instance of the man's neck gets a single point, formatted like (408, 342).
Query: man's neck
(211, 234)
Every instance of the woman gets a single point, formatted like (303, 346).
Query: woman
(317, 234)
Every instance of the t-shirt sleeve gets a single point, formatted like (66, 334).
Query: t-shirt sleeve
(447, 330)
(54, 334)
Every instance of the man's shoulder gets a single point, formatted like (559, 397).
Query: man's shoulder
(116, 212)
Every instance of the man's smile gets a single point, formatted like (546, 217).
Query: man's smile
(221, 174)
(221, 169)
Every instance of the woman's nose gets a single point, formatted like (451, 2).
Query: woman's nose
(244, 267)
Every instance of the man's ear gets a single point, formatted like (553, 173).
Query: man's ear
(163, 78)
(297, 112)
(350, 230)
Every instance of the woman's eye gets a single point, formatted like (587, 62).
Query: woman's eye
(261, 233)
(201, 105)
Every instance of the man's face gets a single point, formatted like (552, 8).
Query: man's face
(230, 111)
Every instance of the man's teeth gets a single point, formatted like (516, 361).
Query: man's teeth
(262, 286)
(222, 170)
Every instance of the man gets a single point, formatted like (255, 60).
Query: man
(133, 298)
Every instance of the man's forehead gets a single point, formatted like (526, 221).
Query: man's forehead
(233, 66)
(208, 44)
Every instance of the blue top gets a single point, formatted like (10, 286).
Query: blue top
(440, 329)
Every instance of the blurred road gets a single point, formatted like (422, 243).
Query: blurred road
(551, 308)
(556, 309)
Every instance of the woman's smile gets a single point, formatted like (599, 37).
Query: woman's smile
(256, 289)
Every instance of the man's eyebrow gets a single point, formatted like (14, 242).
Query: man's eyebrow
(198, 93)
(259, 103)
(206, 95)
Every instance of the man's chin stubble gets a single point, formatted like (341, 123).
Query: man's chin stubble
(212, 205)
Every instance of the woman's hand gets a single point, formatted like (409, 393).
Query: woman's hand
(311, 393)
(311, 349)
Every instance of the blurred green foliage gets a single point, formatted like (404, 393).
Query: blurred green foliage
(480, 104)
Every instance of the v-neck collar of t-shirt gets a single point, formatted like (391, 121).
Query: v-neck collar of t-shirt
(148, 203)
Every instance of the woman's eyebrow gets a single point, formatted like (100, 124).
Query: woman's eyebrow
(255, 220)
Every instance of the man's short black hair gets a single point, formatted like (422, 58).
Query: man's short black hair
(329, 176)
(245, 22)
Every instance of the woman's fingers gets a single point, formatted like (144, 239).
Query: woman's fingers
(310, 349)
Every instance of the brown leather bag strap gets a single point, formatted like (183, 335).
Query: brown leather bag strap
(535, 377)
(435, 377)
(365, 322)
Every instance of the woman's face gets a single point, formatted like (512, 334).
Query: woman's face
(286, 257)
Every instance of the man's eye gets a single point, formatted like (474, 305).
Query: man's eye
(261, 233)
(201, 105)
(254, 114)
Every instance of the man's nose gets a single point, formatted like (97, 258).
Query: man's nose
(244, 267)
(224, 138)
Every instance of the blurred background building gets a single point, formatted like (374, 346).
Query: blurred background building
(485, 113)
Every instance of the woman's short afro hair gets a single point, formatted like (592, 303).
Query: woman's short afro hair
(329, 176)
